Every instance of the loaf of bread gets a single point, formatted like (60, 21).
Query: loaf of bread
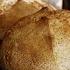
(11, 13)
(38, 42)
(9, 16)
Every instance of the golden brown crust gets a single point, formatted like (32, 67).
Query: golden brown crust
(30, 44)
(9, 17)
(20, 9)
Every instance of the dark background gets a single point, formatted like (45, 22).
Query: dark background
(66, 4)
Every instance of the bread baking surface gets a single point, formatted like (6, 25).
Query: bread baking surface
(28, 56)
(18, 10)
(38, 42)
(9, 14)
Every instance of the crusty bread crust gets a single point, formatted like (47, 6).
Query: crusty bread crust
(38, 42)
